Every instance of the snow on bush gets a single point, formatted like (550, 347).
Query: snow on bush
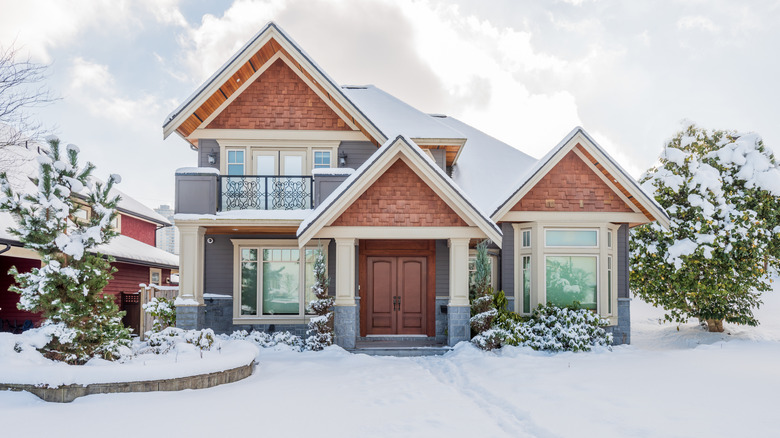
(482, 309)
(722, 192)
(270, 340)
(163, 311)
(549, 328)
(164, 341)
(67, 290)
(320, 331)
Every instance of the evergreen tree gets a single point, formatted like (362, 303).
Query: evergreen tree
(320, 331)
(722, 192)
(83, 323)
(483, 310)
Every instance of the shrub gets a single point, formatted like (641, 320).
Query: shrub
(268, 340)
(165, 340)
(550, 328)
(163, 311)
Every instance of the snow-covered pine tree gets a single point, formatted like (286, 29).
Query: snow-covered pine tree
(722, 192)
(320, 332)
(483, 310)
(67, 289)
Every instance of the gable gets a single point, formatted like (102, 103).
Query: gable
(399, 197)
(278, 99)
(571, 185)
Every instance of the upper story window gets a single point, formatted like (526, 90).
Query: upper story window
(571, 238)
(322, 159)
(235, 162)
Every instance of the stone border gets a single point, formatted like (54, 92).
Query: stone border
(68, 393)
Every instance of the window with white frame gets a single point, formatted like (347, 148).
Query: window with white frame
(274, 280)
(322, 159)
(235, 162)
(525, 271)
(572, 267)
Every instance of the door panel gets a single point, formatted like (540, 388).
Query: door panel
(412, 293)
(396, 299)
(292, 163)
(380, 299)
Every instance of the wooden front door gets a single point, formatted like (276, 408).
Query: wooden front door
(396, 296)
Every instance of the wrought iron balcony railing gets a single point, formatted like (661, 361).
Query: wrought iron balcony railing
(261, 192)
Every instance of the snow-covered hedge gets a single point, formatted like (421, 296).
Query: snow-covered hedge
(164, 341)
(268, 340)
(550, 328)
(163, 311)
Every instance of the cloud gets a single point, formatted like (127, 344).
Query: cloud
(697, 23)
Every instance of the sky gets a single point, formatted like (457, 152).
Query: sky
(526, 72)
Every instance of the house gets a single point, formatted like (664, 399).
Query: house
(137, 259)
(289, 161)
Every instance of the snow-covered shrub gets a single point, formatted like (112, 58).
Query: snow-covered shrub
(67, 289)
(320, 331)
(165, 340)
(163, 311)
(722, 192)
(549, 328)
(268, 340)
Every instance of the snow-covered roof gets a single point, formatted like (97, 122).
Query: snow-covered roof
(486, 164)
(368, 164)
(395, 117)
(20, 164)
(123, 248)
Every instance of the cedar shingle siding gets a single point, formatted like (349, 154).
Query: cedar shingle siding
(399, 198)
(278, 99)
(568, 183)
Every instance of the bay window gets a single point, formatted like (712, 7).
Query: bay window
(561, 265)
(273, 279)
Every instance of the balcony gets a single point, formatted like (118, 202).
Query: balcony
(263, 192)
(202, 190)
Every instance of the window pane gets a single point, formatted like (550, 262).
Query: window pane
(526, 284)
(570, 279)
(266, 165)
(526, 239)
(280, 288)
(249, 254)
(609, 239)
(293, 165)
(249, 288)
(235, 169)
(321, 159)
(609, 285)
(571, 238)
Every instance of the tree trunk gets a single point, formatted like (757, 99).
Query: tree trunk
(715, 325)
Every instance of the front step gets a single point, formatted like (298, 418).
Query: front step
(399, 346)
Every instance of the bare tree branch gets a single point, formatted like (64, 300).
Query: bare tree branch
(21, 88)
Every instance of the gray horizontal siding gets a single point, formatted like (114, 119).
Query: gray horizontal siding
(206, 147)
(442, 269)
(357, 152)
(507, 270)
(622, 268)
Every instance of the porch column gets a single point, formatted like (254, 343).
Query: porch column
(345, 310)
(189, 302)
(459, 309)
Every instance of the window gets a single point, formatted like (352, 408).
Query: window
(609, 284)
(571, 238)
(235, 162)
(526, 238)
(572, 279)
(275, 281)
(83, 214)
(493, 261)
(321, 159)
(116, 223)
(609, 239)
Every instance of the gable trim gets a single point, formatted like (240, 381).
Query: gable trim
(279, 41)
(256, 75)
(578, 136)
(369, 172)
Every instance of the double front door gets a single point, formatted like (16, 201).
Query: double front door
(396, 296)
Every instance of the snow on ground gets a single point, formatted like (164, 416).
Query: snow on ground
(30, 367)
(669, 383)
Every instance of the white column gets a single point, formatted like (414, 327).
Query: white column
(459, 272)
(190, 265)
(345, 272)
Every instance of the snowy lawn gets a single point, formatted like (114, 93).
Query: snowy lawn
(669, 383)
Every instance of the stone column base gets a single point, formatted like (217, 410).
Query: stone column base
(190, 317)
(621, 333)
(458, 326)
(345, 326)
